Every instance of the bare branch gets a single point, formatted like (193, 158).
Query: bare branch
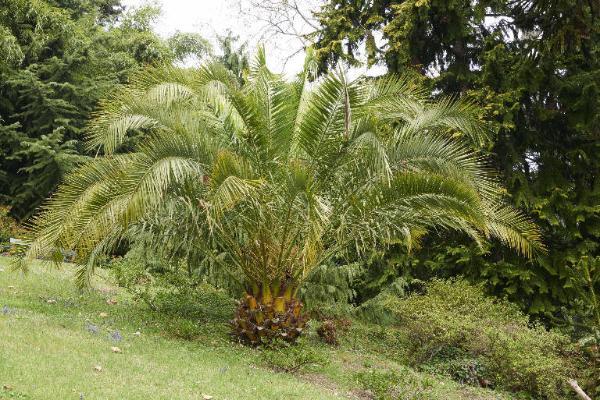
(578, 390)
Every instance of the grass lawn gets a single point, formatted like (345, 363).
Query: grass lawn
(52, 339)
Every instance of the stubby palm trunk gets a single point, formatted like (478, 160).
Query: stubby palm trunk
(269, 312)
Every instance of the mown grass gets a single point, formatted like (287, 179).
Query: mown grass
(52, 337)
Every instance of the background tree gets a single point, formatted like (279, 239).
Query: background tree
(234, 56)
(533, 66)
(57, 58)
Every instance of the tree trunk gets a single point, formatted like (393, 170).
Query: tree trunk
(269, 312)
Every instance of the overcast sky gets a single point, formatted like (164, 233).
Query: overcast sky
(211, 18)
(215, 17)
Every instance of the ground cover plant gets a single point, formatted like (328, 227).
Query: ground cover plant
(57, 344)
(454, 328)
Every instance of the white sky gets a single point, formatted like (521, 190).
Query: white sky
(211, 18)
(215, 17)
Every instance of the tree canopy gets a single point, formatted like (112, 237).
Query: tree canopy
(57, 58)
(534, 69)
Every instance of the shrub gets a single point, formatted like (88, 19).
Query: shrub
(328, 332)
(173, 292)
(381, 384)
(455, 327)
(9, 228)
(587, 353)
(286, 357)
(330, 283)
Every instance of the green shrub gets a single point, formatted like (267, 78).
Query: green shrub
(329, 284)
(173, 292)
(460, 366)
(9, 228)
(286, 357)
(477, 339)
(184, 329)
(587, 351)
(382, 384)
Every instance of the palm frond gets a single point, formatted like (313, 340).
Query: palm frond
(271, 178)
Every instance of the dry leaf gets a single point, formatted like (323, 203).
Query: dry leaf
(103, 315)
(138, 333)
(7, 387)
(51, 301)
(206, 396)
(116, 349)
(111, 302)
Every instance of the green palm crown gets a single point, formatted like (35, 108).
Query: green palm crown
(272, 177)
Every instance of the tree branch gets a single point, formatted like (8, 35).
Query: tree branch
(578, 390)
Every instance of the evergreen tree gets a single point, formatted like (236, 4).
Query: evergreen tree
(57, 58)
(534, 67)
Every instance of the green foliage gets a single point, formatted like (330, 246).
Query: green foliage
(286, 174)
(185, 45)
(588, 353)
(9, 228)
(539, 91)
(586, 280)
(403, 383)
(292, 358)
(330, 283)
(383, 385)
(172, 292)
(234, 57)
(58, 59)
(455, 328)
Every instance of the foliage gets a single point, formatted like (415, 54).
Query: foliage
(382, 384)
(588, 352)
(332, 328)
(293, 358)
(188, 46)
(172, 292)
(270, 179)
(58, 59)
(586, 280)
(455, 328)
(330, 283)
(234, 57)
(232, 190)
(9, 228)
(327, 331)
(533, 67)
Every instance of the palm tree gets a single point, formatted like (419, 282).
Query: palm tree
(270, 179)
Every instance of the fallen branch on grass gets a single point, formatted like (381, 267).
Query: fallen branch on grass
(578, 390)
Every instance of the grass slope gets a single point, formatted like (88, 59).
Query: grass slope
(49, 348)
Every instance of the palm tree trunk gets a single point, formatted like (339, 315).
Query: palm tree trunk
(267, 312)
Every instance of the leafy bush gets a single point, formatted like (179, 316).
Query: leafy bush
(184, 329)
(381, 384)
(173, 292)
(460, 366)
(292, 358)
(9, 228)
(587, 351)
(477, 339)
